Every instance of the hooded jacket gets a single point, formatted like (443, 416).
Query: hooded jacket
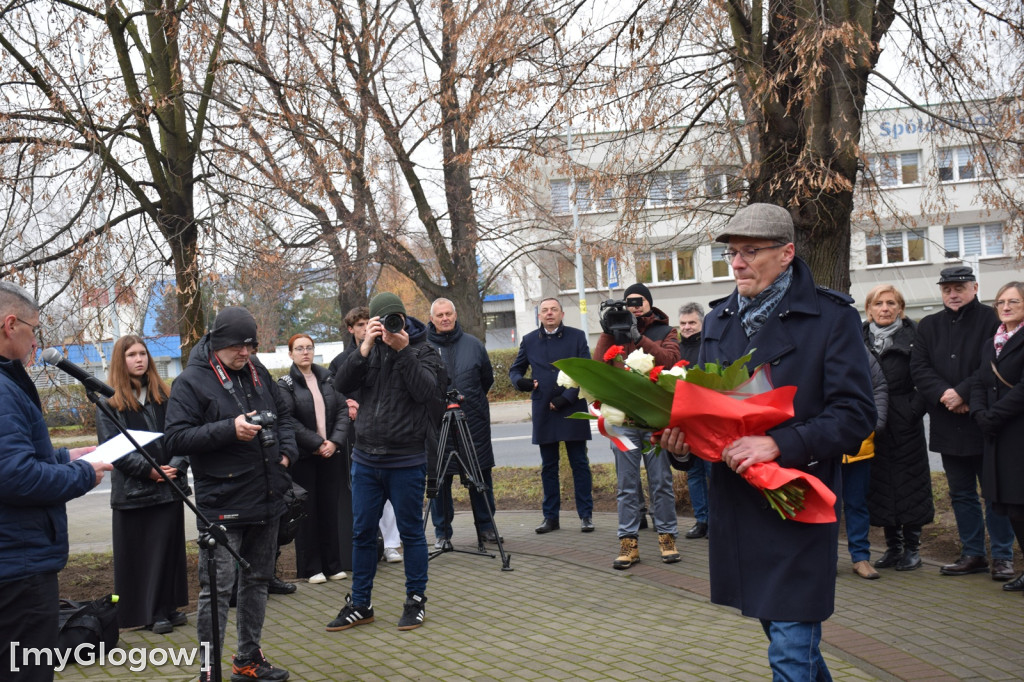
(237, 482)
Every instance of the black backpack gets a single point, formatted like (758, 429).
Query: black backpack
(90, 622)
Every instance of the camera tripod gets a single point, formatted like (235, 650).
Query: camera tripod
(464, 452)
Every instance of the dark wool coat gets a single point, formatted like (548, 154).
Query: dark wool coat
(901, 483)
(1001, 409)
(536, 353)
(469, 370)
(237, 482)
(946, 354)
(765, 566)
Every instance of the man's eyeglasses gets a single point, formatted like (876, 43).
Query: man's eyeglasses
(35, 327)
(747, 253)
(1012, 302)
(303, 349)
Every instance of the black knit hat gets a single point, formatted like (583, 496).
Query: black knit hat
(233, 327)
(641, 290)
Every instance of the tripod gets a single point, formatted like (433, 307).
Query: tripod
(464, 452)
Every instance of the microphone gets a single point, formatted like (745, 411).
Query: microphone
(52, 356)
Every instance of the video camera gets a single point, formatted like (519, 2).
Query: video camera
(265, 419)
(616, 319)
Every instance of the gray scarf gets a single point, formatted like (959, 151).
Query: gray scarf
(754, 311)
(881, 337)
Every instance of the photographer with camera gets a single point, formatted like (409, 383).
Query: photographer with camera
(402, 382)
(227, 413)
(634, 324)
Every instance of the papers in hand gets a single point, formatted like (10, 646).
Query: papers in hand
(116, 448)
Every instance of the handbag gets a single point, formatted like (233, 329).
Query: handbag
(91, 622)
(294, 511)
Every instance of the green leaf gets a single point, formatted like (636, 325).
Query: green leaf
(635, 394)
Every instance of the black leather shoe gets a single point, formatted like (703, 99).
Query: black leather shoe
(162, 627)
(489, 536)
(548, 526)
(1002, 569)
(966, 565)
(910, 561)
(1015, 585)
(697, 530)
(278, 586)
(586, 525)
(177, 618)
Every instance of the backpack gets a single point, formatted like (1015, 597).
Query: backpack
(90, 622)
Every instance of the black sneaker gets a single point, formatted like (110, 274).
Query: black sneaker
(414, 612)
(351, 616)
(256, 667)
(177, 618)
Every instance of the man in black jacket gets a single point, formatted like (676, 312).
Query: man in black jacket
(947, 353)
(240, 474)
(691, 321)
(399, 376)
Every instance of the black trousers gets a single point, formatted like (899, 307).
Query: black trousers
(29, 608)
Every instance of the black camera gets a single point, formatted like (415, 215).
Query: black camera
(393, 322)
(266, 419)
(615, 317)
(454, 396)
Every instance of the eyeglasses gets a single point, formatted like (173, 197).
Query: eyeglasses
(303, 349)
(1012, 302)
(747, 253)
(35, 327)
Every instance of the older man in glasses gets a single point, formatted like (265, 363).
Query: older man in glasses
(783, 572)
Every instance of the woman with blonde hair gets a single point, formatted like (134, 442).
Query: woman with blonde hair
(900, 491)
(148, 520)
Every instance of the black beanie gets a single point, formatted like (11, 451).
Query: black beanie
(640, 289)
(233, 327)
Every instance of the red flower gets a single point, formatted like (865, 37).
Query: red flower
(682, 363)
(612, 352)
(655, 372)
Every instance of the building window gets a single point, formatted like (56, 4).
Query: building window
(665, 266)
(567, 273)
(561, 198)
(973, 240)
(895, 247)
(893, 170)
(664, 189)
(719, 268)
(722, 182)
(500, 320)
(963, 163)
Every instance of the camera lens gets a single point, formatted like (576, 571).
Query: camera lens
(393, 323)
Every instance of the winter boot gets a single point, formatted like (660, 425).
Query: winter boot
(629, 554)
(911, 543)
(894, 544)
(667, 544)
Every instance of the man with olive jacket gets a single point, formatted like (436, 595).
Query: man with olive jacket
(240, 474)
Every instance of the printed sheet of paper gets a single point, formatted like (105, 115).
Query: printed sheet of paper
(116, 448)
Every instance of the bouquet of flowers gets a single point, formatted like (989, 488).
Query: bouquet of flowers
(715, 406)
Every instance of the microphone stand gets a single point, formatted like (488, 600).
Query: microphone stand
(210, 534)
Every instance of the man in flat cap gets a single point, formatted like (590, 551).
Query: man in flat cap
(783, 572)
(240, 475)
(401, 380)
(947, 352)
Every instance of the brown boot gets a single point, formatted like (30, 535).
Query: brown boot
(669, 553)
(629, 554)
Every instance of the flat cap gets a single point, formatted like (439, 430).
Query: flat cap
(960, 273)
(759, 221)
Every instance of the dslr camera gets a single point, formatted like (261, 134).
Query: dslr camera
(266, 419)
(393, 322)
(616, 319)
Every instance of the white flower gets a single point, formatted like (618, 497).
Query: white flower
(640, 361)
(589, 397)
(565, 381)
(676, 371)
(613, 415)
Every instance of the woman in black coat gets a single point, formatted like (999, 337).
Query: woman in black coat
(997, 406)
(148, 520)
(323, 543)
(900, 493)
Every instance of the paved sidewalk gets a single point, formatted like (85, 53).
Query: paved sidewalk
(564, 614)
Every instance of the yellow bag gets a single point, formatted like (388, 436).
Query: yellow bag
(867, 450)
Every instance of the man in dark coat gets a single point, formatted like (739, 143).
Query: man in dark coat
(946, 356)
(240, 474)
(551, 405)
(37, 480)
(691, 321)
(469, 371)
(783, 572)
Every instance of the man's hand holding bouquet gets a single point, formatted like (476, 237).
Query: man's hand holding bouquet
(715, 406)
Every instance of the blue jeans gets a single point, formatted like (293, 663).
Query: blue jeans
(442, 507)
(963, 473)
(697, 484)
(257, 544)
(580, 465)
(793, 651)
(856, 477)
(659, 482)
(371, 487)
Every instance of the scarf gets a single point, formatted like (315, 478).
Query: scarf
(1002, 336)
(754, 311)
(881, 337)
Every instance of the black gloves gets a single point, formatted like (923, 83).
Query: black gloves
(634, 334)
(560, 402)
(987, 422)
(524, 384)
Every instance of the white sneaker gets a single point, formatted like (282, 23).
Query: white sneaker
(438, 544)
(340, 575)
(392, 556)
(317, 579)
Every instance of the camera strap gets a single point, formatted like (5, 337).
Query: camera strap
(229, 386)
